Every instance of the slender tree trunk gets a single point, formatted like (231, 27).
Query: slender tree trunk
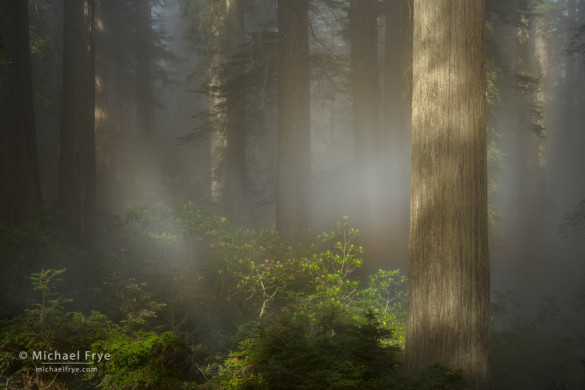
(397, 117)
(531, 74)
(77, 150)
(103, 125)
(580, 135)
(117, 97)
(398, 82)
(218, 111)
(144, 98)
(293, 196)
(235, 181)
(449, 274)
(539, 117)
(572, 129)
(227, 84)
(19, 167)
(363, 16)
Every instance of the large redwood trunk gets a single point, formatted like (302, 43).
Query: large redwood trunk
(77, 143)
(293, 203)
(449, 274)
(19, 169)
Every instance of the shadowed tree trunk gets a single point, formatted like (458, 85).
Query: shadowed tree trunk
(19, 168)
(363, 26)
(531, 132)
(144, 98)
(104, 130)
(235, 180)
(572, 130)
(449, 274)
(77, 143)
(228, 130)
(293, 196)
(397, 116)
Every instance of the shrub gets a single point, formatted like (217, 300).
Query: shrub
(336, 352)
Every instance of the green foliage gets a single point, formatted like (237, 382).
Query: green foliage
(386, 297)
(336, 352)
(141, 360)
(45, 282)
(42, 243)
(221, 279)
(47, 327)
(432, 377)
(168, 271)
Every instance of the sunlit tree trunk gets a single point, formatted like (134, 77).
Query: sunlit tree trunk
(235, 181)
(19, 168)
(449, 274)
(77, 141)
(217, 109)
(293, 196)
(104, 137)
(539, 117)
(227, 112)
(363, 27)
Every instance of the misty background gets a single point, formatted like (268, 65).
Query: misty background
(160, 107)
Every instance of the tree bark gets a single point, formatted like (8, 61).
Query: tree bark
(104, 130)
(293, 197)
(363, 20)
(449, 274)
(531, 133)
(77, 141)
(397, 117)
(19, 168)
(144, 98)
(217, 109)
(228, 119)
(235, 181)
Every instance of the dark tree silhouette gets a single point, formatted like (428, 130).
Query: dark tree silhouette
(77, 144)
(19, 170)
(293, 203)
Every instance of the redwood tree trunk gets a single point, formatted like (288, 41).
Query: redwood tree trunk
(144, 100)
(363, 25)
(77, 143)
(531, 133)
(235, 180)
(19, 169)
(397, 131)
(293, 198)
(217, 110)
(104, 131)
(449, 274)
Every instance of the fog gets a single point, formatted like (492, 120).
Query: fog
(183, 77)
